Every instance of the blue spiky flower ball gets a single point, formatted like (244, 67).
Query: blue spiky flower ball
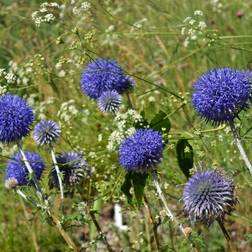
(102, 75)
(142, 151)
(16, 118)
(109, 101)
(46, 132)
(16, 169)
(73, 167)
(208, 196)
(220, 94)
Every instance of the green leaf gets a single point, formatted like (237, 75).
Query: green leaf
(139, 182)
(160, 122)
(184, 156)
(126, 186)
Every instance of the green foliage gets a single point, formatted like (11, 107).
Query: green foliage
(137, 181)
(146, 38)
(184, 156)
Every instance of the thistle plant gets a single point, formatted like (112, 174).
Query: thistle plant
(16, 118)
(25, 168)
(73, 168)
(219, 96)
(103, 75)
(46, 133)
(109, 101)
(208, 196)
(141, 153)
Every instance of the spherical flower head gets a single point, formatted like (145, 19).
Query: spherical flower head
(73, 166)
(109, 101)
(220, 94)
(208, 196)
(46, 132)
(142, 151)
(16, 118)
(102, 75)
(16, 169)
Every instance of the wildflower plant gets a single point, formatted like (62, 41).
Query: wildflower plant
(208, 196)
(141, 153)
(73, 167)
(109, 101)
(47, 133)
(220, 95)
(16, 118)
(16, 169)
(103, 75)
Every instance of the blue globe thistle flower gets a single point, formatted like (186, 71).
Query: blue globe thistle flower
(220, 94)
(16, 118)
(46, 132)
(102, 75)
(142, 151)
(208, 196)
(73, 166)
(109, 101)
(16, 169)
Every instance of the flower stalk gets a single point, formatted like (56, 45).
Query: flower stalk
(240, 146)
(58, 174)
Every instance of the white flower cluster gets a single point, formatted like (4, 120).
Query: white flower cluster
(194, 28)
(40, 108)
(216, 5)
(138, 24)
(8, 76)
(47, 13)
(80, 8)
(110, 36)
(3, 89)
(124, 123)
(67, 111)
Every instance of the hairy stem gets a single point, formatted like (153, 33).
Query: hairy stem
(240, 146)
(162, 198)
(58, 174)
(103, 236)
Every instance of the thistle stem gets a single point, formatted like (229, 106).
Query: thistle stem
(153, 222)
(54, 219)
(162, 198)
(103, 236)
(31, 172)
(58, 174)
(21, 194)
(226, 235)
(63, 233)
(240, 146)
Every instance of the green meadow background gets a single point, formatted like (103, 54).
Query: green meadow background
(144, 36)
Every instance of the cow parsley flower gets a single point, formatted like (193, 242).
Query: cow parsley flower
(16, 170)
(16, 117)
(73, 167)
(109, 101)
(142, 151)
(102, 75)
(46, 132)
(208, 196)
(220, 94)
